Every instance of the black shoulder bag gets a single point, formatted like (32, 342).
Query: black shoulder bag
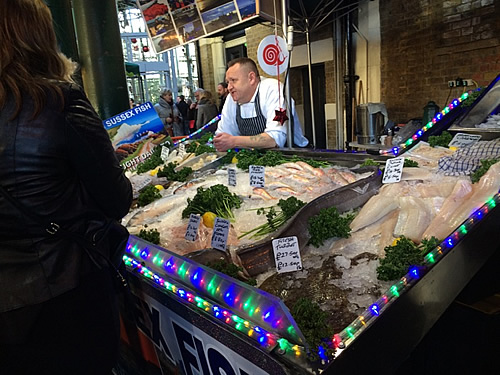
(108, 240)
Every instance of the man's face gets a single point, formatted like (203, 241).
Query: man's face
(241, 83)
(221, 90)
(167, 97)
(197, 96)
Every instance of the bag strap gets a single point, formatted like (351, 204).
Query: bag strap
(53, 229)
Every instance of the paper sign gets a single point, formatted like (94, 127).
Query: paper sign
(143, 183)
(165, 151)
(462, 140)
(257, 175)
(182, 150)
(219, 235)
(287, 254)
(192, 227)
(393, 170)
(231, 177)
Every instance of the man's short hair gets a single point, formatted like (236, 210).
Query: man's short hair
(181, 96)
(246, 62)
(223, 84)
(200, 90)
(165, 91)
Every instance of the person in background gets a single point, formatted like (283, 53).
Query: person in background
(183, 109)
(207, 110)
(58, 310)
(248, 115)
(222, 91)
(169, 114)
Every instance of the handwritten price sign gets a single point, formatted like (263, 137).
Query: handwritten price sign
(287, 254)
(463, 140)
(393, 170)
(231, 177)
(219, 235)
(257, 175)
(192, 228)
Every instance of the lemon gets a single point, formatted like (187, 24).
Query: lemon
(234, 160)
(159, 187)
(153, 172)
(395, 242)
(209, 219)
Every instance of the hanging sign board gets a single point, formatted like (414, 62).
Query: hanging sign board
(272, 55)
(134, 134)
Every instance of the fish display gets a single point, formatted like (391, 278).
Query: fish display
(297, 179)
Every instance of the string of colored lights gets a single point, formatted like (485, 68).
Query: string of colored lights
(267, 310)
(344, 338)
(267, 340)
(212, 121)
(418, 134)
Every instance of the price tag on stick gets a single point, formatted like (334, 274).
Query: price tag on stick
(192, 227)
(287, 254)
(393, 170)
(165, 151)
(219, 235)
(231, 177)
(257, 175)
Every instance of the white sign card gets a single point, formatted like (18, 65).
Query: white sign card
(257, 175)
(219, 235)
(287, 254)
(182, 150)
(393, 170)
(463, 140)
(143, 183)
(165, 151)
(231, 177)
(192, 227)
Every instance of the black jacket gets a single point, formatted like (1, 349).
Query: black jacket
(60, 165)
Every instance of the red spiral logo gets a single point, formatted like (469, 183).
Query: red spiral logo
(271, 54)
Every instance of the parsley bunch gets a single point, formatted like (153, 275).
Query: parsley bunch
(169, 172)
(152, 162)
(313, 324)
(276, 216)
(485, 165)
(402, 255)
(217, 199)
(440, 140)
(327, 224)
(150, 235)
(147, 195)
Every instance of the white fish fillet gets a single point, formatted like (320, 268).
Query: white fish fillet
(415, 214)
(377, 207)
(415, 173)
(481, 192)
(440, 226)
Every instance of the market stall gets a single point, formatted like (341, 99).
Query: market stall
(198, 319)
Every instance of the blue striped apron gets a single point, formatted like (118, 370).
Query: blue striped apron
(252, 125)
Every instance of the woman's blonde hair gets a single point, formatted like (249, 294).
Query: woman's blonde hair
(30, 60)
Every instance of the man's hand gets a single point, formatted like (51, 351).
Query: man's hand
(224, 142)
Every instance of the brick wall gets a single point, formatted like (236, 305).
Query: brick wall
(426, 43)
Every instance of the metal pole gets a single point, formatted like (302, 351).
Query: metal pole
(101, 55)
(338, 85)
(311, 92)
(289, 129)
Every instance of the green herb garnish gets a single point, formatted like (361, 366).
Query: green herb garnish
(369, 162)
(485, 166)
(313, 324)
(440, 140)
(402, 255)
(232, 270)
(152, 162)
(216, 199)
(169, 172)
(328, 223)
(147, 195)
(410, 163)
(276, 216)
(150, 235)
